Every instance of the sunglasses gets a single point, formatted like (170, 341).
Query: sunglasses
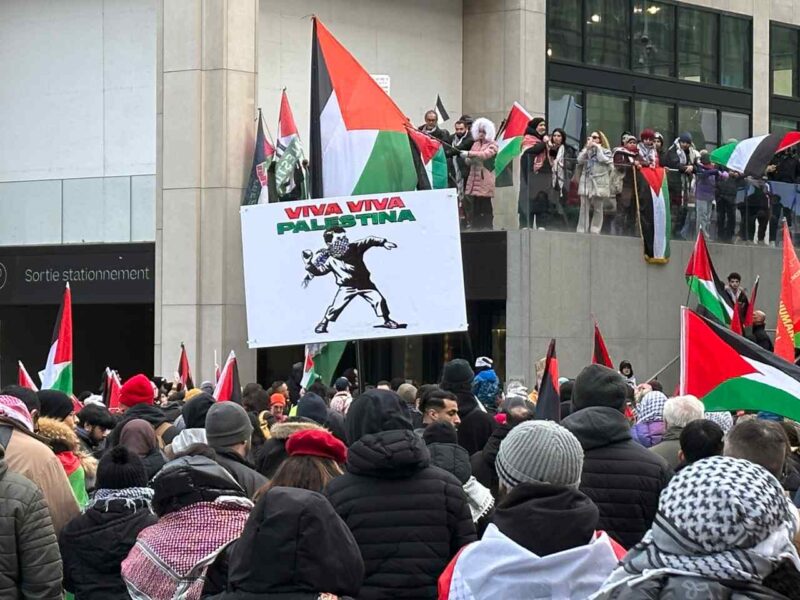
(595, 137)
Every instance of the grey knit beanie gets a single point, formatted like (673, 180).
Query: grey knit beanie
(227, 424)
(540, 451)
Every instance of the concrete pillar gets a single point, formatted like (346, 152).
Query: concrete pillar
(206, 107)
(761, 73)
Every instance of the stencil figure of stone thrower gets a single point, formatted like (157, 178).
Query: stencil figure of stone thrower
(345, 259)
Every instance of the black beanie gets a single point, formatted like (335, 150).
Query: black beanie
(597, 385)
(456, 374)
(119, 469)
(55, 404)
(195, 410)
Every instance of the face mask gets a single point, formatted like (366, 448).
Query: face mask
(339, 246)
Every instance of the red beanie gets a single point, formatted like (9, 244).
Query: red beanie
(137, 390)
(316, 442)
(278, 399)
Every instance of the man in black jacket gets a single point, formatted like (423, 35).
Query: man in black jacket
(476, 424)
(622, 478)
(408, 518)
(229, 431)
(759, 332)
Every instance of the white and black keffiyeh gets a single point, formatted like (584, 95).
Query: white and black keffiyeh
(720, 518)
(134, 497)
(722, 418)
(650, 408)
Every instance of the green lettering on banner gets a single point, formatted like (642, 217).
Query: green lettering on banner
(284, 227)
(406, 215)
(347, 221)
(301, 226)
(387, 217)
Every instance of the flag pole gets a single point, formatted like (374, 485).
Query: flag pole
(662, 369)
(359, 366)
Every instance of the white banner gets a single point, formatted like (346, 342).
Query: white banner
(357, 267)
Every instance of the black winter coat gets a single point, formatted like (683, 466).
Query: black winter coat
(94, 545)
(243, 472)
(483, 462)
(408, 518)
(152, 414)
(623, 478)
(476, 425)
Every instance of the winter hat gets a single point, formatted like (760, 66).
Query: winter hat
(457, 373)
(685, 138)
(532, 125)
(139, 437)
(55, 404)
(119, 469)
(227, 424)
(13, 408)
(440, 432)
(192, 393)
(316, 442)
(277, 400)
(540, 451)
(483, 362)
(408, 393)
(311, 406)
(137, 390)
(597, 385)
(194, 412)
(342, 384)
(207, 387)
(94, 399)
(486, 387)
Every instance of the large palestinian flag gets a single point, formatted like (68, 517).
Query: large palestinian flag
(548, 404)
(729, 372)
(509, 140)
(321, 362)
(751, 156)
(654, 213)
(57, 374)
(359, 143)
(432, 165)
(702, 279)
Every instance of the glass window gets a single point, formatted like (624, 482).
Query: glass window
(608, 114)
(783, 58)
(735, 52)
(782, 125)
(697, 45)
(564, 33)
(565, 110)
(654, 38)
(658, 116)
(733, 126)
(607, 33)
(701, 123)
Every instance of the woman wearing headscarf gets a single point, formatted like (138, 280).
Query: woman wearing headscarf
(139, 437)
(536, 174)
(626, 161)
(724, 529)
(594, 182)
(479, 188)
(649, 427)
(562, 163)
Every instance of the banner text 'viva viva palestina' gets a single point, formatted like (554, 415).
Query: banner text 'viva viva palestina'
(325, 215)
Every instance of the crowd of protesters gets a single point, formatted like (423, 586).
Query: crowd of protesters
(564, 186)
(452, 490)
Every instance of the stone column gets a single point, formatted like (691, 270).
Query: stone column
(761, 73)
(206, 110)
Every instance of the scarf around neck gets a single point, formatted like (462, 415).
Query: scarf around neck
(133, 497)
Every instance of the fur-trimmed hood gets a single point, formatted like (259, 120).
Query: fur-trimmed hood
(486, 125)
(62, 438)
(282, 431)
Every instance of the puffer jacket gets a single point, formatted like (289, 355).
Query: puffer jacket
(595, 172)
(621, 477)
(648, 434)
(95, 544)
(481, 178)
(408, 518)
(242, 471)
(476, 425)
(30, 564)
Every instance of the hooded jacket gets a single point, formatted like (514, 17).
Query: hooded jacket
(273, 452)
(476, 425)
(95, 543)
(79, 467)
(542, 544)
(153, 415)
(294, 547)
(30, 564)
(621, 477)
(408, 518)
(483, 462)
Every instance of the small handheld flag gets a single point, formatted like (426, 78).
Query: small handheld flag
(702, 279)
(257, 190)
(751, 307)
(228, 388)
(548, 405)
(112, 388)
(184, 371)
(441, 111)
(600, 355)
(24, 379)
(57, 374)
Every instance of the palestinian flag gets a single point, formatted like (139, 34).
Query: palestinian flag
(652, 199)
(703, 281)
(321, 362)
(216, 369)
(57, 374)
(751, 156)
(228, 387)
(257, 190)
(23, 379)
(751, 307)
(787, 335)
(729, 372)
(548, 405)
(441, 112)
(509, 140)
(289, 152)
(432, 161)
(184, 371)
(600, 356)
(112, 388)
(359, 143)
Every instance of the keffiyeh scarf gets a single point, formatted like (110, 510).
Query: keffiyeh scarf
(651, 408)
(720, 518)
(134, 497)
(722, 418)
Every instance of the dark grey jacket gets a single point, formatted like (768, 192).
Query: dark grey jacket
(242, 471)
